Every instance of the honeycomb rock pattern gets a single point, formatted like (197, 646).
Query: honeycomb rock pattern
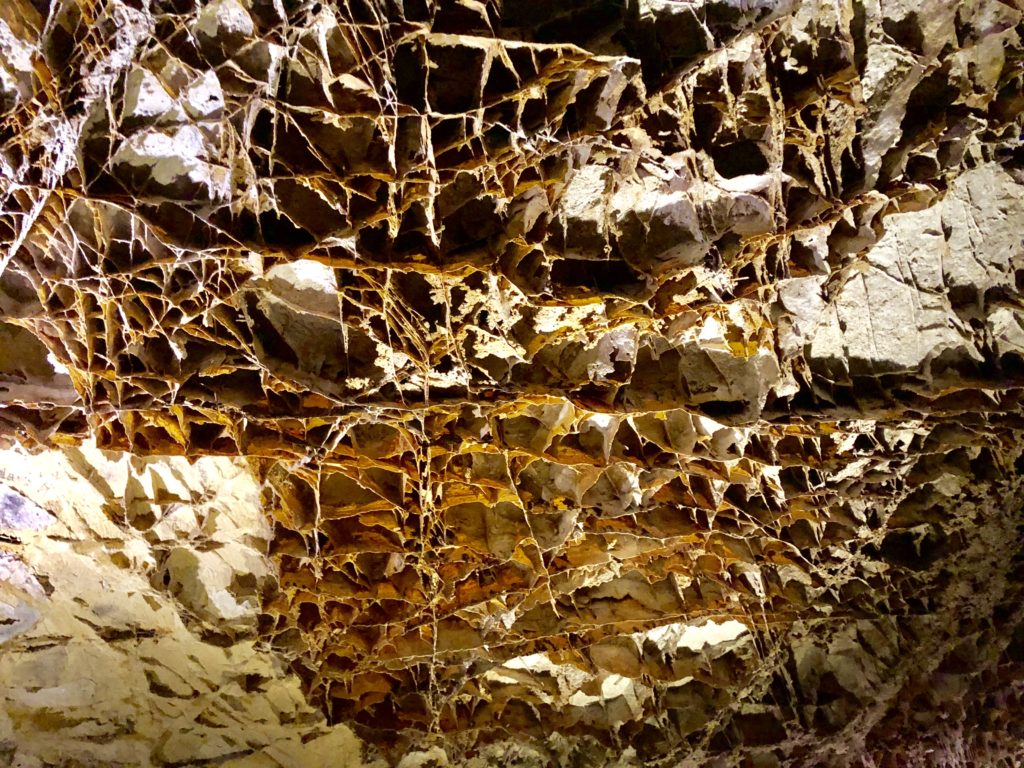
(553, 333)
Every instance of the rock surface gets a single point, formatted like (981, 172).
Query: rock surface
(465, 382)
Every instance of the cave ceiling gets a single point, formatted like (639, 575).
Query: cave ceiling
(467, 382)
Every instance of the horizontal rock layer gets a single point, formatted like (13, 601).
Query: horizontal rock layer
(614, 383)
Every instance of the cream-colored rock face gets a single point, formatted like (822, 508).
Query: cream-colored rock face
(129, 591)
(904, 285)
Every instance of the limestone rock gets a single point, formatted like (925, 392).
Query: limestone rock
(494, 382)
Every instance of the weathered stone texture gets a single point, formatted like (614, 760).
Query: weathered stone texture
(479, 382)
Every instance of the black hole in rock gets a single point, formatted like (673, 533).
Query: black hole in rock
(707, 119)
(905, 32)
(410, 77)
(809, 115)
(309, 616)
(203, 434)
(720, 409)
(497, 138)
(279, 231)
(500, 81)
(601, 276)
(453, 84)
(851, 174)
(922, 168)
(929, 99)
(739, 159)
(534, 114)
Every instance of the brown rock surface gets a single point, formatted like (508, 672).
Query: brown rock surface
(509, 383)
